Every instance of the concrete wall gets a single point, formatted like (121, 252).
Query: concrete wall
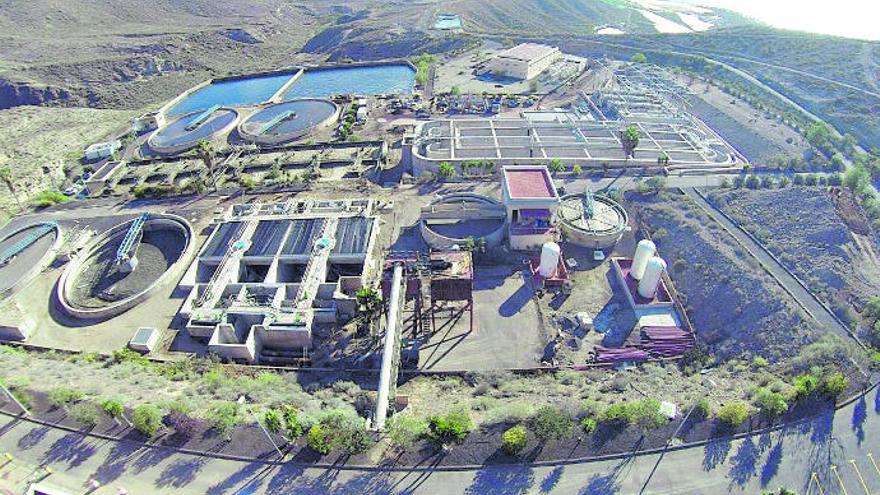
(73, 268)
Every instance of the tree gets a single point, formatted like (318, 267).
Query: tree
(629, 139)
(513, 441)
(205, 152)
(639, 58)
(857, 179)
(556, 166)
(6, 177)
(368, 307)
(446, 170)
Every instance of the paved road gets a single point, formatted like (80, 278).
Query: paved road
(782, 458)
(803, 297)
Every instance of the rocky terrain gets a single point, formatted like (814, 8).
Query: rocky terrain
(737, 309)
(802, 228)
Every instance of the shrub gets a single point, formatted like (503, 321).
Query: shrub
(770, 403)
(126, 355)
(646, 413)
(147, 419)
(588, 425)
(834, 384)
(616, 413)
(85, 413)
(405, 430)
(223, 416)
(577, 169)
(49, 198)
(62, 396)
(759, 362)
(338, 430)
(22, 396)
(453, 427)
(292, 424)
(513, 441)
(703, 408)
(549, 423)
(318, 440)
(272, 421)
(804, 385)
(734, 413)
(446, 170)
(113, 407)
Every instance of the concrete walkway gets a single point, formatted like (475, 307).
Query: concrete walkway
(840, 449)
(801, 295)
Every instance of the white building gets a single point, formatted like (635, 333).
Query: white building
(99, 151)
(524, 61)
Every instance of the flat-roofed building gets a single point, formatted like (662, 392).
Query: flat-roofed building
(524, 61)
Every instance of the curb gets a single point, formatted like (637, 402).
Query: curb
(457, 468)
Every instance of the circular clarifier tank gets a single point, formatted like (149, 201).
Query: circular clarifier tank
(594, 222)
(25, 251)
(288, 121)
(453, 219)
(185, 132)
(100, 284)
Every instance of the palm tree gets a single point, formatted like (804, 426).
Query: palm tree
(6, 177)
(205, 152)
(629, 138)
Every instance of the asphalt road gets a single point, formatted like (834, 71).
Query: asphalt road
(830, 446)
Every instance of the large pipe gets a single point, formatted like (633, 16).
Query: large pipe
(388, 349)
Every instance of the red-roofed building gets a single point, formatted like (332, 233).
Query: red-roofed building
(531, 200)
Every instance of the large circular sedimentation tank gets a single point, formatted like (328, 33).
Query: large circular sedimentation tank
(185, 133)
(601, 228)
(287, 121)
(94, 286)
(27, 250)
(442, 231)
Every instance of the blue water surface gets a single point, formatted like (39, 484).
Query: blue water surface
(238, 92)
(369, 80)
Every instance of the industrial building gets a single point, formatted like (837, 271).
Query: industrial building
(269, 272)
(531, 200)
(524, 61)
(99, 151)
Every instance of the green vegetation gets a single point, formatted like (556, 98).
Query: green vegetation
(577, 169)
(629, 139)
(113, 407)
(405, 430)
(770, 403)
(588, 425)
(639, 58)
(556, 166)
(513, 441)
(85, 413)
(445, 170)
(423, 63)
(147, 419)
(549, 423)
(453, 427)
(733, 413)
(49, 198)
(338, 430)
(703, 408)
(804, 386)
(62, 396)
(834, 384)
(223, 417)
(645, 413)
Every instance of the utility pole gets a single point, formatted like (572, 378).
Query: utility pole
(242, 400)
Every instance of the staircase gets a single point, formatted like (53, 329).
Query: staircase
(25, 242)
(132, 239)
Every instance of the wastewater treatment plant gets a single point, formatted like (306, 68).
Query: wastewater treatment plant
(505, 253)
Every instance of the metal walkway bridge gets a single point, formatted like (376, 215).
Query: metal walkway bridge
(25, 242)
(132, 239)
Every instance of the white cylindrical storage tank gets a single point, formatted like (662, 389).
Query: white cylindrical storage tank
(550, 253)
(653, 274)
(645, 249)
